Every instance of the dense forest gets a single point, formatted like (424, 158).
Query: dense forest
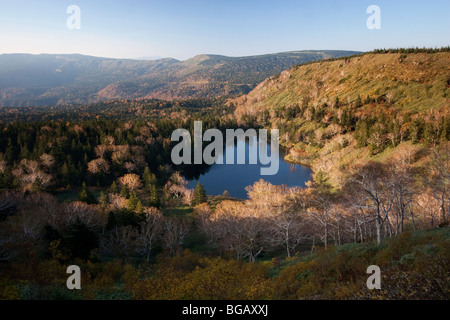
(94, 185)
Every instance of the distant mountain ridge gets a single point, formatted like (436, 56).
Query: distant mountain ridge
(56, 79)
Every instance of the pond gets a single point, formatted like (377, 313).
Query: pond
(235, 177)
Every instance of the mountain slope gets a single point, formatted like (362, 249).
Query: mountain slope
(334, 114)
(64, 79)
(411, 81)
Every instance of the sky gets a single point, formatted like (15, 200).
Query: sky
(181, 29)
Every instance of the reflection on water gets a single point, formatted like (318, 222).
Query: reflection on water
(235, 177)
(292, 167)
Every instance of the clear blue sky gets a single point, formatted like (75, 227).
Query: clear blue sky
(183, 28)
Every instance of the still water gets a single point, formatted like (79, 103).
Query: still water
(235, 177)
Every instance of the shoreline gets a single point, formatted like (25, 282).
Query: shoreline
(302, 161)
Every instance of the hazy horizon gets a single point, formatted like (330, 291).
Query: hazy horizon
(160, 58)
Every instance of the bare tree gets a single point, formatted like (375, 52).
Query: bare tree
(188, 196)
(376, 193)
(429, 207)
(131, 180)
(109, 140)
(439, 179)
(121, 242)
(403, 177)
(85, 213)
(280, 208)
(150, 232)
(77, 129)
(138, 156)
(101, 150)
(117, 201)
(175, 232)
(320, 203)
(120, 153)
(202, 213)
(47, 160)
(287, 228)
(237, 229)
(129, 166)
(357, 217)
(175, 187)
(24, 226)
(45, 206)
(98, 165)
(30, 174)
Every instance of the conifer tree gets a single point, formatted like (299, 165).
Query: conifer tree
(85, 195)
(103, 199)
(148, 177)
(139, 207)
(125, 192)
(65, 175)
(199, 195)
(133, 201)
(154, 197)
(114, 188)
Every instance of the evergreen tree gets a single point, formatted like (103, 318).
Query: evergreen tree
(125, 192)
(416, 130)
(24, 153)
(362, 133)
(114, 188)
(85, 195)
(154, 197)
(139, 207)
(322, 183)
(133, 201)
(199, 195)
(148, 177)
(10, 152)
(103, 199)
(65, 175)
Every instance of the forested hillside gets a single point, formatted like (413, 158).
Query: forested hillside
(27, 80)
(335, 114)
